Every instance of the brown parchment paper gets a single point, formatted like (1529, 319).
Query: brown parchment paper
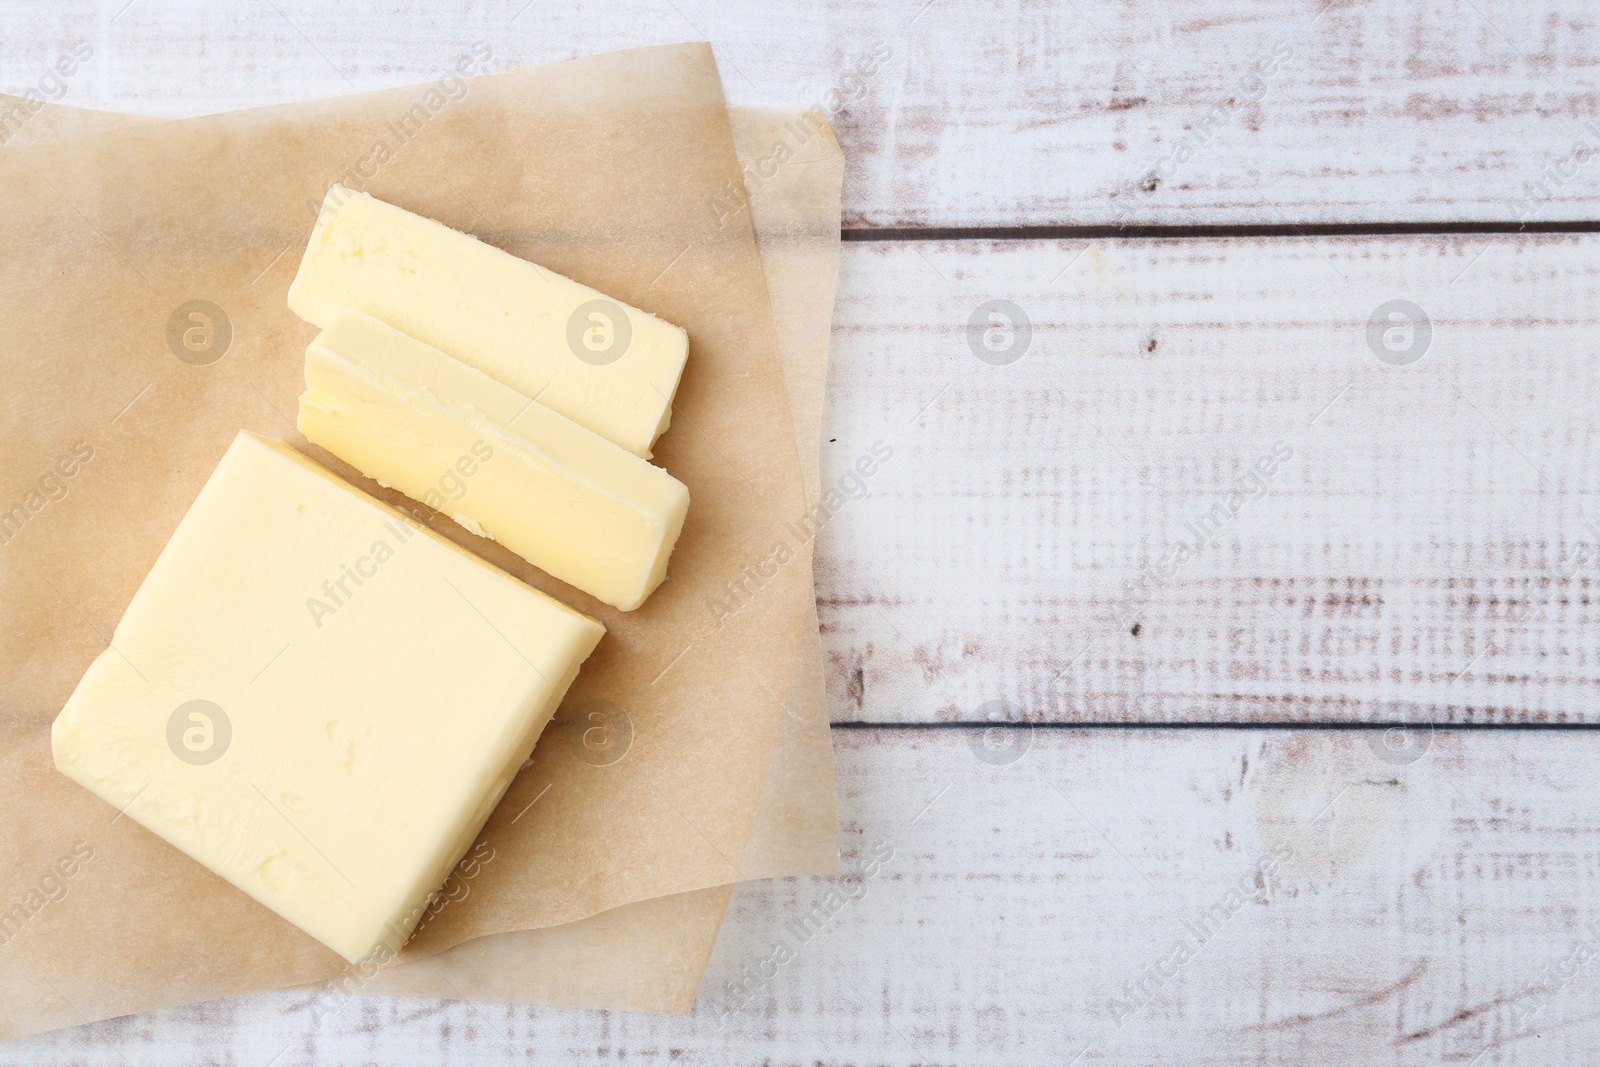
(600, 168)
(794, 173)
(650, 956)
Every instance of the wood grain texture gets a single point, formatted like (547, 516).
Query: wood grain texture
(983, 115)
(1420, 912)
(1412, 560)
(1427, 551)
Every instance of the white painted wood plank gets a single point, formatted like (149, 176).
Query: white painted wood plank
(982, 114)
(1424, 901)
(1412, 912)
(1426, 545)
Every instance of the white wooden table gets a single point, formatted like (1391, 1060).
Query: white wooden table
(1200, 840)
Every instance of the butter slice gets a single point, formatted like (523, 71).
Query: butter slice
(606, 366)
(317, 699)
(567, 500)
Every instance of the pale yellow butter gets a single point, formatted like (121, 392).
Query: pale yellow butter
(567, 500)
(318, 699)
(606, 366)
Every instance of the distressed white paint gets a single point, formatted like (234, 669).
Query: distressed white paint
(1021, 897)
(1418, 556)
(1421, 898)
(987, 114)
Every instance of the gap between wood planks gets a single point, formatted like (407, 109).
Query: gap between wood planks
(1168, 232)
(1093, 232)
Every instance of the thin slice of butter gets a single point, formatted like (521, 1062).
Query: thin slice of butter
(318, 699)
(606, 366)
(567, 500)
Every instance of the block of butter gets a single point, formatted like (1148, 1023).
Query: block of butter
(606, 366)
(567, 500)
(318, 699)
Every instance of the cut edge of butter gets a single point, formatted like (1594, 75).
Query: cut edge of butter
(113, 734)
(500, 464)
(518, 322)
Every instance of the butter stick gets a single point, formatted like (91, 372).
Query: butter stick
(567, 500)
(317, 699)
(606, 366)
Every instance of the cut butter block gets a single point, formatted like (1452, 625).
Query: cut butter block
(317, 699)
(567, 500)
(604, 365)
